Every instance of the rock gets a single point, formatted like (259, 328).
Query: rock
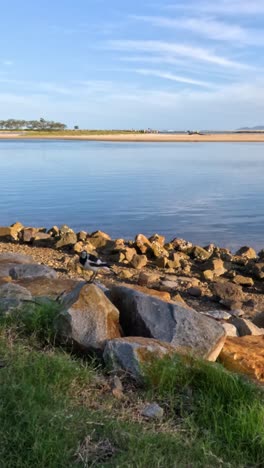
(54, 231)
(208, 275)
(195, 291)
(230, 329)
(9, 233)
(12, 297)
(175, 260)
(177, 298)
(139, 261)
(237, 312)
(48, 287)
(27, 235)
(185, 329)
(161, 262)
(99, 239)
(125, 274)
(227, 291)
(246, 327)
(81, 236)
(244, 355)
(129, 253)
(216, 266)
(88, 318)
(67, 239)
(142, 244)
(246, 252)
(32, 270)
(199, 253)
(14, 291)
(43, 239)
(156, 238)
(218, 314)
(146, 278)
(257, 270)
(181, 244)
(8, 257)
(152, 411)
(117, 388)
(164, 295)
(258, 320)
(171, 285)
(243, 280)
(131, 354)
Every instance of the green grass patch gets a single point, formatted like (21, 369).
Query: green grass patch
(225, 409)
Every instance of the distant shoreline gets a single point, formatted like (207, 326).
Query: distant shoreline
(146, 137)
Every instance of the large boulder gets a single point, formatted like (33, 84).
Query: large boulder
(67, 239)
(31, 271)
(10, 233)
(184, 328)
(88, 318)
(12, 296)
(246, 252)
(244, 355)
(131, 354)
(48, 287)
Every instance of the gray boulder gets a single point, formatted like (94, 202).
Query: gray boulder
(32, 271)
(10, 257)
(88, 318)
(130, 354)
(12, 296)
(185, 329)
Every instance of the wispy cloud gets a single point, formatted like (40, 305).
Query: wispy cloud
(223, 7)
(176, 49)
(7, 63)
(173, 77)
(208, 27)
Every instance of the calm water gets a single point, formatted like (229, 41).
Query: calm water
(205, 193)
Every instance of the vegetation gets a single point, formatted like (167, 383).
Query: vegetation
(57, 410)
(41, 124)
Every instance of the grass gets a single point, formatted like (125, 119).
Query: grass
(57, 410)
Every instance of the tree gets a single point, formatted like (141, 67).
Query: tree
(76, 127)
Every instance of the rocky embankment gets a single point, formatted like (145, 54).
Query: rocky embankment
(162, 298)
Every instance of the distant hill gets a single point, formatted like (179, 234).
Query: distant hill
(257, 127)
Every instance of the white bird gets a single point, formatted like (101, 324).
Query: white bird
(92, 263)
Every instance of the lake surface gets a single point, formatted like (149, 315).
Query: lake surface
(203, 192)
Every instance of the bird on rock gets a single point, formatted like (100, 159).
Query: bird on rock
(92, 263)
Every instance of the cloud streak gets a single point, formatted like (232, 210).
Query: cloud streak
(173, 77)
(176, 50)
(208, 27)
(223, 7)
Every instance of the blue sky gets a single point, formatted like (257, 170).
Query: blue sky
(134, 64)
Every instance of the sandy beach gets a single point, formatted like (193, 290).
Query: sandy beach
(147, 137)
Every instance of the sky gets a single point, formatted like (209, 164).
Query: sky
(115, 64)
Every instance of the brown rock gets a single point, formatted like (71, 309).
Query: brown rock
(129, 253)
(257, 270)
(88, 319)
(243, 280)
(139, 261)
(156, 238)
(244, 355)
(181, 244)
(208, 275)
(125, 274)
(146, 278)
(161, 262)
(81, 236)
(28, 234)
(142, 243)
(246, 252)
(227, 291)
(216, 265)
(100, 240)
(9, 233)
(175, 260)
(163, 295)
(47, 287)
(67, 239)
(199, 253)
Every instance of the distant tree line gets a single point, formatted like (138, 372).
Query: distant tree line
(41, 124)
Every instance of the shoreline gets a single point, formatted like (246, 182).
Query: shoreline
(144, 138)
